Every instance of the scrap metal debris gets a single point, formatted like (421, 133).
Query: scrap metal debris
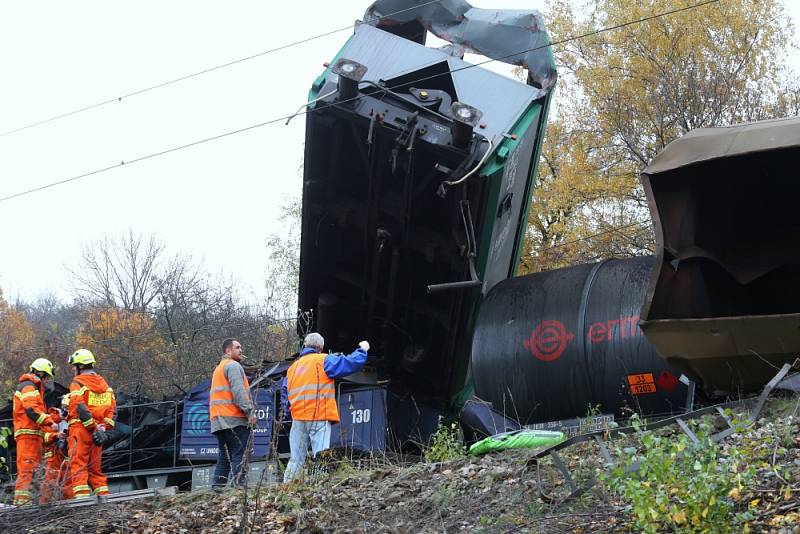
(514, 36)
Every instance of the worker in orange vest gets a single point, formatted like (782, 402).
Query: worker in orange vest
(92, 409)
(30, 418)
(232, 414)
(309, 388)
(56, 484)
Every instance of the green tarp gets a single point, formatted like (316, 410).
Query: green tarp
(517, 439)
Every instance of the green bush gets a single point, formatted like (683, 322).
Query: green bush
(446, 444)
(679, 485)
(4, 433)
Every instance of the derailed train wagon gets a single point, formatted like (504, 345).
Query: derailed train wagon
(418, 172)
(719, 304)
(554, 345)
(723, 302)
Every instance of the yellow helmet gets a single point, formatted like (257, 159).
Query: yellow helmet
(81, 356)
(44, 365)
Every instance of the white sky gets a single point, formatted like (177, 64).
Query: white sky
(218, 201)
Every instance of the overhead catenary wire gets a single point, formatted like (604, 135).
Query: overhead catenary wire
(321, 108)
(204, 71)
(572, 38)
(477, 166)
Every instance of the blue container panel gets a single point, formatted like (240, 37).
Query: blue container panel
(197, 441)
(362, 416)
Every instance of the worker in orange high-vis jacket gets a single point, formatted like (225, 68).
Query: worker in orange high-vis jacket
(56, 484)
(310, 390)
(30, 420)
(232, 414)
(92, 410)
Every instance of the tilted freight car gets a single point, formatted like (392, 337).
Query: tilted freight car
(418, 172)
(723, 301)
(720, 302)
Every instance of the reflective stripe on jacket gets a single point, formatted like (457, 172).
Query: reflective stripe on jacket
(29, 411)
(221, 398)
(312, 393)
(91, 401)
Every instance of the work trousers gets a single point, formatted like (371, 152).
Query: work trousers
(29, 460)
(232, 444)
(56, 484)
(86, 470)
(305, 433)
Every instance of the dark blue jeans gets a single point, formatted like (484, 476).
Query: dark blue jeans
(232, 444)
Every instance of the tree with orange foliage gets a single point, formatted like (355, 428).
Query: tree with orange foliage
(130, 351)
(624, 94)
(156, 320)
(16, 342)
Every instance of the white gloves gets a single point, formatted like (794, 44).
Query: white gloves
(364, 345)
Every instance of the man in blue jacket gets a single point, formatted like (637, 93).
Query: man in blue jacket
(311, 393)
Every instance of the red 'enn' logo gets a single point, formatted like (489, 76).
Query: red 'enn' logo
(548, 341)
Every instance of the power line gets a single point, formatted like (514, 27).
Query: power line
(573, 38)
(204, 71)
(321, 108)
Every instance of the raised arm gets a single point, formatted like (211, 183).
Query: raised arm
(339, 365)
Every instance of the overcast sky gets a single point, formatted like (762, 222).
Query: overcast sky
(218, 201)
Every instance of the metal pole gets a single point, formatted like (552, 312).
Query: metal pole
(690, 396)
(130, 439)
(175, 436)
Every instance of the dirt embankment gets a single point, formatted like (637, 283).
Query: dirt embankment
(503, 492)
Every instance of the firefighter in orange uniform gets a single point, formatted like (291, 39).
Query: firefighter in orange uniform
(92, 408)
(30, 417)
(56, 485)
